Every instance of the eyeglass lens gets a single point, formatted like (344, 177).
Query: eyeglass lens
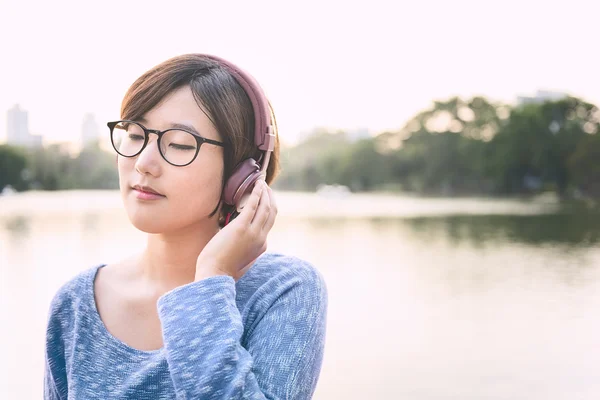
(177, 147)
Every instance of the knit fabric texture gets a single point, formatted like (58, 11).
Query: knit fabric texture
(261, 337)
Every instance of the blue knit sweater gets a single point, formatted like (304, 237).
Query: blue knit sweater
(261, 337)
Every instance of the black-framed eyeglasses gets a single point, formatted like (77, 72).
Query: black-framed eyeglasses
(177, 146)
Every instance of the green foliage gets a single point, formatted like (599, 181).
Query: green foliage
(94, 169)
(584, 165)
(537, 142)
(455, 147)
(312, 162)
(462, 147)
(360, 166)
(12, 164)
(53, 168)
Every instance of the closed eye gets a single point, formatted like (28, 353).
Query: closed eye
(181, 146)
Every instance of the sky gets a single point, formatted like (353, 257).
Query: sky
(331, 64)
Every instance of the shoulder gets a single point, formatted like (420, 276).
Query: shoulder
(70, 293)
(276, 275)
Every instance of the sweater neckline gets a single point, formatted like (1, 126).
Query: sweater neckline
(97, 321)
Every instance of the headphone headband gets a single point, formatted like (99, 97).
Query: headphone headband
(242, 179)
(264, 137)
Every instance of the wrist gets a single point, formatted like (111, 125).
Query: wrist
(208, 272)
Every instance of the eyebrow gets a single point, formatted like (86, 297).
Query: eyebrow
(175, 125)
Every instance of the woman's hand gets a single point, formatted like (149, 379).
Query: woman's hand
(233, 249)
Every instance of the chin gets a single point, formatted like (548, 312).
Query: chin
(154, 221)
(149, 224)
(148, 219)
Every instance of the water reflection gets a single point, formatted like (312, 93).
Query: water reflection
(14, 234)
(573, 229)
(18, 226)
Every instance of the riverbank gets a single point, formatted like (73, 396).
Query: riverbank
(293, 204)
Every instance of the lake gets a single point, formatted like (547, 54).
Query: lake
(428, 298)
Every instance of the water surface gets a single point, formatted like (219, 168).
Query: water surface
(428, 298)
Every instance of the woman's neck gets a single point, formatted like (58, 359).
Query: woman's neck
(169, 259)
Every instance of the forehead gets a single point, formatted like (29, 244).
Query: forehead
(180, 107)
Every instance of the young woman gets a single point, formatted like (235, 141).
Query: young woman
(203, 312)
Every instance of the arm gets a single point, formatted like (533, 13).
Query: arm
(50, 391)
(55, 371)
(282, 357)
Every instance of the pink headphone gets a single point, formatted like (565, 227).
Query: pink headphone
(246, 173)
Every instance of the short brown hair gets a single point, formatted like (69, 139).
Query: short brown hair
(217, 93)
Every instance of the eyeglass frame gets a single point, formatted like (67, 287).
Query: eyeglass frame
(199, 140)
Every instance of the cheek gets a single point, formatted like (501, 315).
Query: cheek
(198, 197)
(196, 193)
(123, 175)
(192, 195)
(125, 168)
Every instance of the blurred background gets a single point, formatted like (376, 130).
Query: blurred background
(440, 167)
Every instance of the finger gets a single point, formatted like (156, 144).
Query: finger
(264, 208)
(271, 219)
(251, 206)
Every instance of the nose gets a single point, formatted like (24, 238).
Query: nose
(149, 160)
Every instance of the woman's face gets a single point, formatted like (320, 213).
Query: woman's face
(191, 192)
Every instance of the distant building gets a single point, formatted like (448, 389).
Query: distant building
(89, 130)
(17, 126)
(541, 96)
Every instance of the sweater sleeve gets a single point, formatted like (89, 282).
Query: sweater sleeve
(283, 353)
(50, 391)
(55, 371)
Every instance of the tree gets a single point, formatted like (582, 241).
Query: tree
(537, 142)
(441, 150)
(461, 147)
(584, 165)
(361, 166)
(12, 166)
(313, 161)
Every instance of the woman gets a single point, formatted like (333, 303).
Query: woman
(202, 312)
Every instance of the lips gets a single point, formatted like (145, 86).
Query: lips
(147, 189)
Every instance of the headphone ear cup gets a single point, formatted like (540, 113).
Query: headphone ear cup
(241, 182)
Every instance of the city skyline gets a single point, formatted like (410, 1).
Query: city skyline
(17, 128)
(350, 66)
(19, 134)
(91, 130)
